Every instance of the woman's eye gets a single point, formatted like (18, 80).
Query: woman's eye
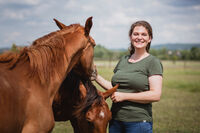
(135, 34)
(144, 34)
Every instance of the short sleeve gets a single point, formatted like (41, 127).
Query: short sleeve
(155, 67)
(117, 66)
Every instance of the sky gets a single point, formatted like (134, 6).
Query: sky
(173, 21)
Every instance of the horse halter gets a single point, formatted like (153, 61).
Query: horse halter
(89, 42)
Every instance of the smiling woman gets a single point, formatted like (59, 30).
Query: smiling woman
(140, 77)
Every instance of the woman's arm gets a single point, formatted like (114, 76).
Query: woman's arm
(153, 95)
(103, 82)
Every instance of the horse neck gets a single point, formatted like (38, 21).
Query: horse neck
(73, 56)
(67, 52)
(70, 60)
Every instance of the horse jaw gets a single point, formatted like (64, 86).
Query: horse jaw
(110, 91)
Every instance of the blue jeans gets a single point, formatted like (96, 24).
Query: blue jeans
(130, 127)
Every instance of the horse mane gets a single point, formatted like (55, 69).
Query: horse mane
(92, 97)
(45, 39)
(45, 55)
(82, 105)
(8, 57)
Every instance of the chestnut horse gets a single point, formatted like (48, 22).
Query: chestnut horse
(30, 79)
(79, 101)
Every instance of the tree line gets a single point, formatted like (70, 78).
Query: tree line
(102, 53)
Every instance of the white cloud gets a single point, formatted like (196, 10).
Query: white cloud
(88, 8)
(179, 28)
(198, 26)
(119, 18)
(71, 4)
(196, 7)
(10, 14)
(27, 2)
(12, 36)
(172, 21)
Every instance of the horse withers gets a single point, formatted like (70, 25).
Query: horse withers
(30, 79)
(79, 101)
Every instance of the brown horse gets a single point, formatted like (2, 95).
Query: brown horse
(79, 101)
(30, 79)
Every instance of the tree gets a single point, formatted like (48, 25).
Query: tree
(185, 55)
(195, 53)
(14, 48)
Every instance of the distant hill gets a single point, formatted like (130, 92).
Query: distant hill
(175, 46)
(170, 46)
(3, 49)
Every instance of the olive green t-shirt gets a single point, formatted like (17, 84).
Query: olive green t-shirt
(133, 78)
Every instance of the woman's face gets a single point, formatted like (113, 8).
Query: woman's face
(140, 37)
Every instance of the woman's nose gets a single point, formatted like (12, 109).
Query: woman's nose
(139, 36)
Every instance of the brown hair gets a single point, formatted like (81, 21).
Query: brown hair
(147, 26)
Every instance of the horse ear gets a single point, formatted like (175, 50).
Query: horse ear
(82, 89)
(110, 91)
(59, 24)
(88, 25)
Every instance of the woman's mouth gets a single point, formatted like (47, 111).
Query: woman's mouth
(139, 42)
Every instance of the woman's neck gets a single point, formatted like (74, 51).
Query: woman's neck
(138, 55)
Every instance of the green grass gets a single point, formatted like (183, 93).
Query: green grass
(179, 108)
(187, 78)
(63, 127)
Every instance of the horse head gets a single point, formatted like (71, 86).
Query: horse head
(79, 101)
(85, 60)
(98, 115)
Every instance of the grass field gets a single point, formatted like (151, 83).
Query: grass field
(179, 108)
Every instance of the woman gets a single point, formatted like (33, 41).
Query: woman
(140, 77)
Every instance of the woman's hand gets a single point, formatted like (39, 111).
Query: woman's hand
(94, 73)
(117, 97)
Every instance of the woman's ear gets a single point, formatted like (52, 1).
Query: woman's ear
(149, 39)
